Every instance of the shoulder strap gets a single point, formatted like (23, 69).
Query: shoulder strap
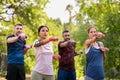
(99, 44)
(87, 50)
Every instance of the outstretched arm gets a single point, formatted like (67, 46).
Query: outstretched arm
(64, 44)
(42, 42)
(88, 42)
(14, 39)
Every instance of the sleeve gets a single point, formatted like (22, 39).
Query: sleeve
(36, 43)
(24, 41)
(59, 48)
(75, 45)
(59, 44)
(10, 36)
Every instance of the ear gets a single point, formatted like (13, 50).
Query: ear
(62, 35)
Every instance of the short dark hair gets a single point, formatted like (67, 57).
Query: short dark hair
(40, 27)
(65, 31)
(18, 25)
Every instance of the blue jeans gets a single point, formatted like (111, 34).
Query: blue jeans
(66, 75)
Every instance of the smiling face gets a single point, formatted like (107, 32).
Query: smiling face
(92, 32)
(18, 29)
(43, 33)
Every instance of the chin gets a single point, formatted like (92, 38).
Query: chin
(17, 34)
(67, 39)
(44, 37)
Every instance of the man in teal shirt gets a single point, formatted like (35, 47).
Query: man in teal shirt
(16, 48)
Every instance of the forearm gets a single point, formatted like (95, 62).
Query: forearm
(78, 53)
(56, 57)
(104, 55)
(64, 44)
(26, 47)
(13, 39)
(25, 50)
(88, 42)
(41, 42)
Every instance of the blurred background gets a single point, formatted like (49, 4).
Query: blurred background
(74, 15)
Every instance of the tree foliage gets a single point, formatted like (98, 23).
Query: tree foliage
(103, 14)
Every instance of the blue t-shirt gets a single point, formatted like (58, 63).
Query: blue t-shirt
(94, 67)
(15, 51)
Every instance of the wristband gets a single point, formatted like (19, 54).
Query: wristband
(19, 37)
(50, 39)
(53, 57)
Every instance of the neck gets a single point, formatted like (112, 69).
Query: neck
(94, 42)
(15, 34)
(42, 38)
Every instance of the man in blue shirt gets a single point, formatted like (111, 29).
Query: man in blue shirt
(16, 48)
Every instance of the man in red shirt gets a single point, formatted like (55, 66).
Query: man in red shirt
(67, 52)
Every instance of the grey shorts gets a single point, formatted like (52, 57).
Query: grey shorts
(37, 76)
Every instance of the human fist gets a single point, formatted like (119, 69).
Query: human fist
(28, 46)
(22, 36)
(56, 57)
(81, 51)
(100, 35)
(72, 42)
(104, 49)
(59, 57)
(53, 39)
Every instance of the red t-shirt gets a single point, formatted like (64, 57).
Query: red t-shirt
(67, 57)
